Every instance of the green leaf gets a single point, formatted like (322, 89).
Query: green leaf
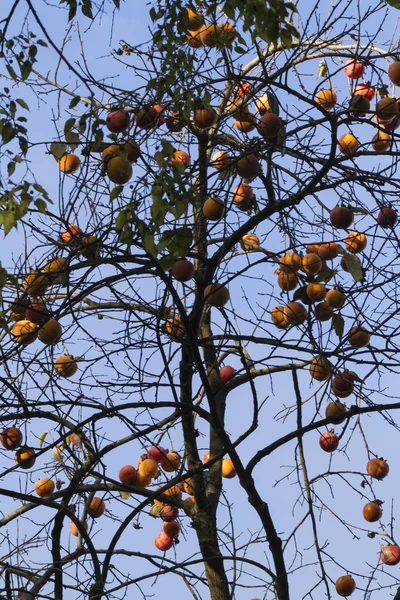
(325, 276)
(22, 103)
(354, 267)
(87, 9)
(11, 72)
(159, 209)
(7, 133)
(32, 51)
(72, 9)
(9, 221)
(338, 325)
(178, 240)
(74, 102)
(26, 69)
(10, 168)
(121, 220)
(58, 149)
(42, 43)
(117, 3)
(72, 139)
(166, 262)
(41, 205)
(356, 377)
(116, 192)
(69, 124)
(394, 3)
(148, 242)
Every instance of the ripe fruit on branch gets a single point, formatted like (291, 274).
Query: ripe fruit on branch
(381, 142)
(74, 529)
(148, 468)
(262, 104)
(237, 107)
(387, 217)
(11, 438)
(182, 270)
(44, 487)
(179, 158)
(320, 369)
(174, 121)
(250, 242)
(171, 462)
(245, 122)
(386, 109)
(169, 513)
(354, 69)
(172, 529)
(377, 468)
(323, 312)
(210, 34)
(326, 99)
(71, 235)
(359, 337)
(278, 317)
(390, 555)
(90, 247)
(311, 264)
(204, 118)
(295, 313)
(226, 373)
(24, 332)
(117, 121)
(163, 542)
(213, 209)
(228, 470)
(334, 411)
(196, 20)
(25, 457)
(316, 291)
(335, 298)
(142, 481)
(247, 166)
(290, 262)
(287, 281)
(329, 441)
(343, 385)
(119, 170)
(129, 150)
(345, 585)
(216, 294)
(56, 269)
(127, 475)
(174, 328)
(18, 309)
(328, 251)
(372, 511)
(157, 453)
(96, 508)
(221, 160)
(66, 365)
(341, 217)
(348, 144)
(36, 284)
(50, 332)
(394, 72)
(69, 163)
(243, 196)
(356, 242)
(364, 89)
(147, 117)
(270, 125)
(301, 296)
(193, 39)
(174, 492)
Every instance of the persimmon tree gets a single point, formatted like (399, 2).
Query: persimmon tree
(200, 266)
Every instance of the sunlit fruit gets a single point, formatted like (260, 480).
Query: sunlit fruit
(329, 441)
(119, 170)
(311, 264)
(343, 385)
(206, 458)
(238, 107)
(69, 163)
(334, 411)
(316, 291)
(390, 555)
(341, 217)
(386, 109)
(213, 209)
(18, 309)
(142, 481)
(364, 89)
(24, 332)
(204, 118)
(244, 88)
(328, 251)
(182, 270)
(44, 487)
(56, 268)
(221, 160)
(278, 317)
(163, 542)
(243, 196)
(377, 468)
(174, 328)
(66, 365)
(117, 121)
(216, 294)
(96, 507)
(226, 373)
(228, 470)
(250, 242)
(127, 475)
(323, 312)
(381, 142)
(354, 69)
(36, 284)
(196, 20)
(394, 72)
(262, 104)
(71, 235)
(270, 124)
(50, 332)
(247, 166)
(174, 492)
(287, 281)
(348, 144)
(326, 99)
(171, 462)
(372, 512)
(74, 529)
(245, 122)
(359, 337)
(148, 468)
(335, 298)
(147, 117)
(180, 157)
(193, 39)
(356, 242)
(295, 313)
(157, 453)
(172, 529)
(129, 150)
(25, 458)
(387, 217)
(11, 438)
(290, 262)
(36, 313)
(345, 585)
(320, 369)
